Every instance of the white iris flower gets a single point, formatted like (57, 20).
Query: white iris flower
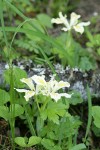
(72, 24)
(49, 88)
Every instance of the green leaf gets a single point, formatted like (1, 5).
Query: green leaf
(39, 124)
(75, 98)
(17, 75)
(53, 111)
(57, 148)
(45, 20)
(96, 115)
(20, 141)
(33, 140)
(48, 144)
(96, 131)
(4, 97)
(38, 25)
(78, 147)
(98, 51)
(19, 110)
(4, 112)
(85, 64)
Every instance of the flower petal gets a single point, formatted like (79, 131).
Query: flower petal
(55, 96)
(84, 23)
(66, 95)
(39, 80)
(63, 84)
(79, 28)
(57, 21)
(65, 29)
(29, 94)
(59, 85)
(21, 90)
(29, 82)
(74, 19)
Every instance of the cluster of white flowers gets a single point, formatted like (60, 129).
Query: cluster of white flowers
(49, 88)
(72, 24)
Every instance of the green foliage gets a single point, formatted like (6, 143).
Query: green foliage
(86, 64)
(53, 111)
(96, 131)
(4, 97)
(44, 20)
(19, 110)
(94, 44)
(33, 140)
(96, 116)
(74, 54)
(48, 144)
(5, 112)
(94, 41)
(78, 147)
(17, 75)
(76, 98)
(66, 128)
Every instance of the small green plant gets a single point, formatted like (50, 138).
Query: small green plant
(74, 54)
(54, 124)
(94, 44)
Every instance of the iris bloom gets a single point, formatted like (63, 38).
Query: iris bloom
(49, 88)
(28, 93)
(72, 24)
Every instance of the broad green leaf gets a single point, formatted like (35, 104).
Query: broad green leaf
(4, 97)
(96, 115)
(33, 140)
(78, 147)
(4, 112)
(19, 110)
(20, 141)
(48, 144)
(45, 20)
(76, 98)
(17, 75)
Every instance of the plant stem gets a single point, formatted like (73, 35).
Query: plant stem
(12, 119)
(89, 113)
(69, 142)
(37, 103)
(29, 121)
